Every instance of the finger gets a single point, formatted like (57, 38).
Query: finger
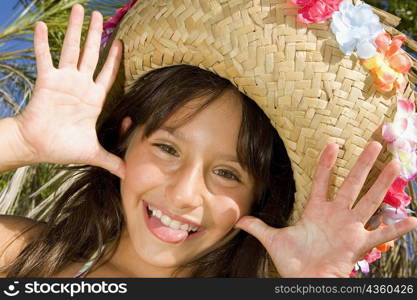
(71, 47)
(391, 232)
(370, 202)
(110, 162)
(41, 46)
(89, 56)
(353, 183)
(108, 74)
(257, 228)
(319, 190)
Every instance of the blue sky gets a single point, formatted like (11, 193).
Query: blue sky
(7, 12)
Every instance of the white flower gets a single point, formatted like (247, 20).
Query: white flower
(363, 265)
(356, 28)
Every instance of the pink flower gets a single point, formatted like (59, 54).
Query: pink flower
(112, 22)
(363, 265)
(404, 125)
(396, 196)
(401, 136)
(312, 11)
(372, 255)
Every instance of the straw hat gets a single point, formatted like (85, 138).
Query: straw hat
(312, 92)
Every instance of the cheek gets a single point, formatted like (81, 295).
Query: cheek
(142, 175)
(226, 210)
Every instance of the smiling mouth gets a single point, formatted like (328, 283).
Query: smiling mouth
(190, 232)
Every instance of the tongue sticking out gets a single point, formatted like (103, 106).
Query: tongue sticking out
(165, 233)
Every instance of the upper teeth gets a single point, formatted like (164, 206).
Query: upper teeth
(167, 221)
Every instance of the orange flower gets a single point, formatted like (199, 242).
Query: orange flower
(390, 64)
(385, 246)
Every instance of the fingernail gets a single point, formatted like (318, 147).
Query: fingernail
(322, 150)
(325, 147)
(332, 159)
(374, 142)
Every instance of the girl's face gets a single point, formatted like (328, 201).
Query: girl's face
(190, 172)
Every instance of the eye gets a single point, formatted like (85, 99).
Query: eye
(167, 149)
(226, 174)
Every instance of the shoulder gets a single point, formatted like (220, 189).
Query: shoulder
(15, 233)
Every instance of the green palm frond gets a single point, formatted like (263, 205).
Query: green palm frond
(406, 10)
(12, 191)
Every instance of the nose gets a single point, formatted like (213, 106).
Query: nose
(185, 191)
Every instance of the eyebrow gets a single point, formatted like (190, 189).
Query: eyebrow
(173, 131)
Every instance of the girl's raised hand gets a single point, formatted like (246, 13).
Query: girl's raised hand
(330, 237)
(58, 124)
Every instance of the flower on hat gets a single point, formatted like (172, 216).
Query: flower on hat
(387, 215)
(396, 198)
(391, 211)
(372, 255)
(313, 11)
(363, 264)
(401, 136)
(375, 253)
(390, 64)
(391, 215)
(385, 246)
(356, 28)
(112, 22)
(391, 49)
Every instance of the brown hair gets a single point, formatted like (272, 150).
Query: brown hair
(75, 229)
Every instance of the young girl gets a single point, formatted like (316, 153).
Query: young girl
(170, 176)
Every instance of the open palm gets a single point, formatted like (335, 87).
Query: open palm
(330, 236)
(58, 125)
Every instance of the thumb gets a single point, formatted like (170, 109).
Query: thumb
(258, 228)
(110, 162)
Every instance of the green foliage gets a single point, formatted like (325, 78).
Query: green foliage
(405, 9)
(37, 185)
(4, 179)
